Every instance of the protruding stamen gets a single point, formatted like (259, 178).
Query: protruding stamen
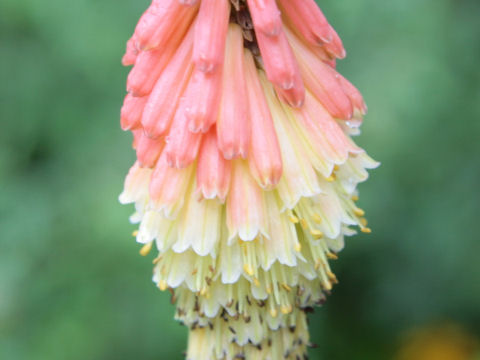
(145, 250)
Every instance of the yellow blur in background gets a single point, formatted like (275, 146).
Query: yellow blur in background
(446, 342)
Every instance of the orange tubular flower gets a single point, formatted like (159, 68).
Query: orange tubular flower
(246, 172)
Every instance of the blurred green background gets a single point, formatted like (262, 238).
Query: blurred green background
(72, 285)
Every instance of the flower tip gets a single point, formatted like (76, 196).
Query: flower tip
(127, 60)
(298, 103)
(295, 97)
(270, 181)
(205, 64)
(272, 28)
(230, 151)
(287, 83)
(266, 17)
(325, 39)
(173, 161)
(197, 127)
(122, 198)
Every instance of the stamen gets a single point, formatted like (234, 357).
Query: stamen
(358, 212)
(293, 219)
(146, 248)
(317, 218)
(162, 285)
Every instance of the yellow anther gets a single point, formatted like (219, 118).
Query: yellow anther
(256, 282)
(248, 269)
(331, 178)
(358, 212)
(162, 285)
(298, 247)
(146, 248)
(331, 275)
(286, 310)
(293, 219)
(355, 198)
(304, 223)
(363, 221)
(273, 313)
(269, 289)
(194, 272)
(332, 256)
(318, 264)
(317, 218)
(135, 233)
(366, 230)
(203, 291)
(328, 286)
(157, 260)
(317, 234)
(286, 287)
(336, 167)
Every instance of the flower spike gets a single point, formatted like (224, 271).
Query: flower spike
(246, 173)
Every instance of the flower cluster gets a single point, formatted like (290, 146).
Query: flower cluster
(246, 172)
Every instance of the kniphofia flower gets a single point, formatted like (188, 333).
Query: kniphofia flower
(246, 173)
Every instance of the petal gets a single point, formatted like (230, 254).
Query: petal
(163, 20)
(322, 80)
(306, 17)
(199, 227)
(147, 69)
(131, 113)
(131, 52)
(233, 126)
(265, 16)
(136, 184)
(281, 67)
(210, 33)
(281, 244)
(299, 178)
(182, 144)
(245, 207)
(213, 171)
(353, 94)
(168, 186)
(230, 262)
(265, 159)
(163, 101)
(149, 150)
(202, 99)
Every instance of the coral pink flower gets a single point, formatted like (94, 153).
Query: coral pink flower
(246, 171)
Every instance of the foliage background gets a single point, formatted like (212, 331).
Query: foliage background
(72, 285)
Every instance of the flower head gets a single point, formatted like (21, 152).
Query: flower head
(246, 172)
